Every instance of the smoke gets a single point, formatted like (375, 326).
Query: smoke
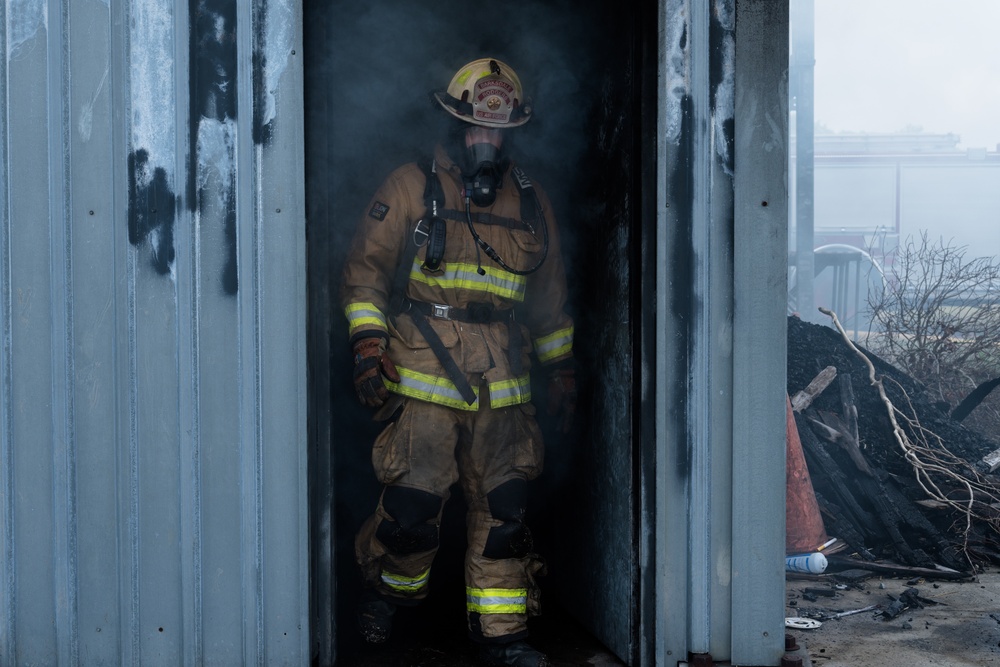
(385, 57)
(370, 69)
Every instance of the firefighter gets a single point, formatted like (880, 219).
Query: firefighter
(453, 286)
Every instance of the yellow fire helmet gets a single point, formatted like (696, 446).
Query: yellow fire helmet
(486, 92)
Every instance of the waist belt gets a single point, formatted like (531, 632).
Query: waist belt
(481, 313)
(419, 311)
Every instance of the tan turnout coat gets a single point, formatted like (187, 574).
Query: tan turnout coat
(479, 349)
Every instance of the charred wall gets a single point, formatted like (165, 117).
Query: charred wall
(152, 415)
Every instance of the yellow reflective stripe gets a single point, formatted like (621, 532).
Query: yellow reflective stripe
(510, 392)
(441, 390)
(398, 582)
(464, 76)
(554, 345)
(497, 600)
(364, 314)
(431, 388)
(457, 275)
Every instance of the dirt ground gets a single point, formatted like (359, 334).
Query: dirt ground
(963, 629)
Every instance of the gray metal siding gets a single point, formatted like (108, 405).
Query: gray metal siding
(152, 312)
(760, 192)
(715, 499)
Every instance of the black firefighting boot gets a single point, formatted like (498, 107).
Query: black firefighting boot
(515, 654)
(375, 617)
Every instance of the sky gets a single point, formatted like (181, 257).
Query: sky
(894, 65)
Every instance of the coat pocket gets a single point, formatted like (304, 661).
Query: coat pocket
(391, 451)
(529, 450)
(405, 331)
(534, 568)
(525, 241)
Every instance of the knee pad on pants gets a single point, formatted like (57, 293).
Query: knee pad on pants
(409, 531)
(511, 539)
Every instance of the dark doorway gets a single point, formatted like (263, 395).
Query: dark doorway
(369, 68)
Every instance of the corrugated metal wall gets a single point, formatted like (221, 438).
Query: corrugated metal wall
(715, 489)
(152, 310)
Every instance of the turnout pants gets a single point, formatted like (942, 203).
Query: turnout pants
(492, 452)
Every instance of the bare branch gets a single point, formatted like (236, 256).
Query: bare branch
(937, 317)
(933, 465)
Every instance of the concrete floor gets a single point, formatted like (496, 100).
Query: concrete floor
(962, 630)
(436, 637)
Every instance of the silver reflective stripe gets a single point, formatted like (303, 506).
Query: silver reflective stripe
(510, 392)
(360, 314)
(430, 388)
(399, 582)
(496, 600)
(554, 345)
(466, 276)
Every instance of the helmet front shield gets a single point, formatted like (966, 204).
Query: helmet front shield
(486, 92)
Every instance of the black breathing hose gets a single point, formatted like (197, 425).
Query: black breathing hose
(492, 254)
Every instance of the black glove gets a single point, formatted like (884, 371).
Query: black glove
(562, 396)
(370, 364)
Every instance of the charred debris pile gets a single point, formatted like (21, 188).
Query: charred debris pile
(893, 483)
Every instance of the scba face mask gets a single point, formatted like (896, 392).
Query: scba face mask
(482, 160)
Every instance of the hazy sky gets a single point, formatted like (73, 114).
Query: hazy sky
(885, 65)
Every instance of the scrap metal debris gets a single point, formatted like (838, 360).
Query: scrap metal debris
(909, 599)
(842, 614)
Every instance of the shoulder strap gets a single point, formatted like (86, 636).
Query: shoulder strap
(530, 208)
(481, 218)
(432, 193)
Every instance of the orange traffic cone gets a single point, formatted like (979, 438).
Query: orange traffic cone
(804, 531)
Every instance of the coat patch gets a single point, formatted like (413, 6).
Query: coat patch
(379, 210)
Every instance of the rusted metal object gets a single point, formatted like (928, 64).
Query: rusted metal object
(701, 660)
(789, 660)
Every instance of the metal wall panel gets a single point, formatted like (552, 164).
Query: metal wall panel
(713, 514)
(760, 193)
(152, 312)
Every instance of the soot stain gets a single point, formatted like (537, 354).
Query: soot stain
(151, 209)
(213, 95)
(681, 303)
(262, 130)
